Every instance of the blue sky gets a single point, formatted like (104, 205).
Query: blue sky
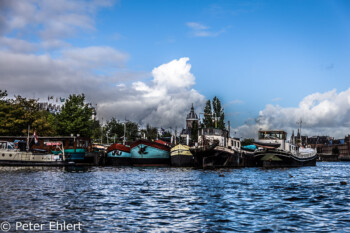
(251, 54)
(260, 52)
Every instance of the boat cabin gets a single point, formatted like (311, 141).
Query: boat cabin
(210, 135)
(272, 134)
(69, 142)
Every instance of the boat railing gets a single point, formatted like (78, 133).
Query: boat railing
(305, 155)
(295, 153)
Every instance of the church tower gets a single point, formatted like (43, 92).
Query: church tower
(191, 117)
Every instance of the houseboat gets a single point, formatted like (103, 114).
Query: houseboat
(273, 150)
(75, 148)
(18, 154)
(118, 155)
(181, 156)
(150, 153)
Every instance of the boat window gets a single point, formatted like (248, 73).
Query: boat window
(10, 155)
(3, 155)
(71, 142)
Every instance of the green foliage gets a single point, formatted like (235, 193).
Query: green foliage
(247, 141)
(208, 120)
(132, 131)
(218, 114)
(150, 132)
(16, 115)
(96, 129)
(3, 94)
(194, 132)
(214, 116)
(167, 134)
(75, 117)
(115, 129)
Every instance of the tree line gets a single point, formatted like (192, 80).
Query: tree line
(74, 118)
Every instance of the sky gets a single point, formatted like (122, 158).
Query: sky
(271, 63)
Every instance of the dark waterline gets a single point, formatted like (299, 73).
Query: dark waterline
(114, 199)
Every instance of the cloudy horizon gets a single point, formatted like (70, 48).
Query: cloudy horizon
(151, 71)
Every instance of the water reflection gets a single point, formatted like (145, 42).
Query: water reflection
(114, 199)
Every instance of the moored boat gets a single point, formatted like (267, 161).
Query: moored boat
(201, 152)
(118, 155)
(149, 153)
(75, 147)
(274, 151)
(181, 156)
(77, 155)
(11, 155)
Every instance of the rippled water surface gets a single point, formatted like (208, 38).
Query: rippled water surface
(114, 199)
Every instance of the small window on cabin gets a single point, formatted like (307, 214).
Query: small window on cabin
(71, 142)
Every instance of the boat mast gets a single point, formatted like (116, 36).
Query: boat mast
(124, 134)
(28, 138)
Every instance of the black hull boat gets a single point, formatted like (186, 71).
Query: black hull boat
(29, 163)
(118, 155)
(274, 158)
(121, 161)
(181, 156)
(202, 152)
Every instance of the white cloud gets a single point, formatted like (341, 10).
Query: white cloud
(17, 45)
(196, 26)
(47, 21)
(36, 60)
(94, 57)
(173, 75)
(159, 102)
(164, 101)
(322, 114)
(200, 30)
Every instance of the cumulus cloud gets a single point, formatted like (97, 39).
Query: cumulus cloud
(322, 114)
(164, 101)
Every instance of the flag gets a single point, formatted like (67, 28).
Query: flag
(35, 137)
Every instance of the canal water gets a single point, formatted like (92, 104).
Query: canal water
(111, 199)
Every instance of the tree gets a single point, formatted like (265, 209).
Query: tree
(167, 134)
(96, 129)
(75, 117)
(208, 120)
(214, 116)
(150, 132)
(218, 114)
(132, 131)
(3, 94)
(114, 128)
(19, 113)
(247, 141)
